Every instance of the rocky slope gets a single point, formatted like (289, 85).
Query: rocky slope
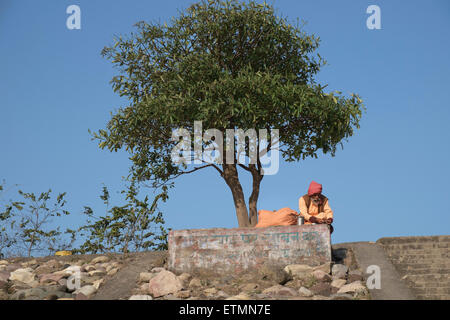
(144, 276)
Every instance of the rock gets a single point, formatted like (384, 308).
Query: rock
(43, 269)
(80, 296)
(112, 272)
(183, 294)
(324, 267)
(319, 297)
(341, 296)
(338, 283)
(30, 263)
(184, 278)
(55, 264)
(3, 285)
(240, 296)
(321, 288)
(248, 287)
(164, 283)
(355, 272)
(195, 283)
(87, 268)
(90, 280)
(12, 267)
(274, 273)
(305, 292)
(97, 283)
(158, 269)
(299, 270)
(339, 271)
(279, 290)
(222, 294)
(100, 259)
(141, 297)
(23, 294)
(354, 287)
(4, 275)
(50, 278)
(3, 295)
(146, 276)
(69, 271)
(25, 275)
(66, 299)
(17, 286)
(87, 290)
(3, 262)
(210, 291)
(321, 276)
(354, 277)
(97, 273)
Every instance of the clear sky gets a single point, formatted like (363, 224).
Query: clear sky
(391, 178)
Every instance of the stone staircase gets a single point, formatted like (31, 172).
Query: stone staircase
(423, 262)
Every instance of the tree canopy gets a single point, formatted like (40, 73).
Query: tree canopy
(229, 65)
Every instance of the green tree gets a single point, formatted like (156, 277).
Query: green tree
(7, 241)
(135, 226)
(229, 65)
(30, 220)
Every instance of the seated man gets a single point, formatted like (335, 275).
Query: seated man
(314, 207)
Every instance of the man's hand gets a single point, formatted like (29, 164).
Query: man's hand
(313, 219)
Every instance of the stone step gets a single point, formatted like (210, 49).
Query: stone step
(417, 247)
(420, 257)
(418, 251)
(416, 266)
(433, 297)
(424, 271)
(428, 278)
(407, 240)
(421, 285)
(439, 291)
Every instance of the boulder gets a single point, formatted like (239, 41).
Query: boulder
(324, 267)
(24, 275)
(321, 276)
(146, 276)
(279, 290)
(158, 269)
(195, 283)
(338, 283)
(87, 290)
(4, 275)
(140, 297)
(299, 270)
(164, 283)
(183, 294)
(50, 278)
(274, 273)
(354, 287)
(339, 271)
(305, 292)
(101, 259)
(322, 289)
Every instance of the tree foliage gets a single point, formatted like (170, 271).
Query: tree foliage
(135, 226)
(27, 224)
(229, 65)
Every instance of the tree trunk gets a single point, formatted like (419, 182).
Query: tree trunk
(252, 201)
(230, 174)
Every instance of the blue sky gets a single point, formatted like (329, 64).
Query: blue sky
(391, 178)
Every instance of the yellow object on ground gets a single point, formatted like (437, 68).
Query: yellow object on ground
(63, 253)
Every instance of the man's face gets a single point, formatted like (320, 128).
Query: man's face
(316, 198)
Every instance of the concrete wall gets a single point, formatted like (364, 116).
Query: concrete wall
(236, 250)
